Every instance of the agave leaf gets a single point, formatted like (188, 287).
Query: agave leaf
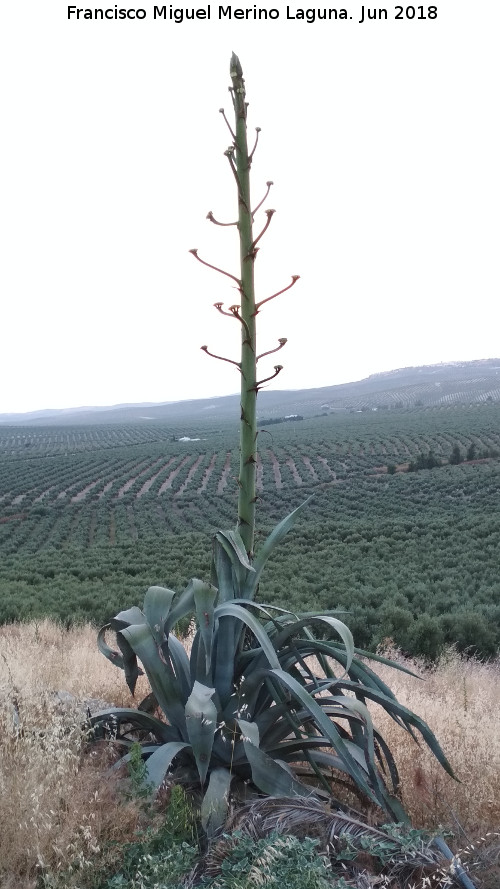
(408, 718)
(126, 618)
(243, 615)
(204, 598)
(157, 604)
(361, 673)
(327, 727)
(146, 750)
(132, 671)
(222, 572)
(267, 774)
(175, 650)
(104, 648)
(365, 740)
(198, 661)
(162, 679)
(230, 565)
(386, 759)
(228, 635)
(352, 709)
(183, 606)
(281, 620)
(201, 723)
(225, 652)
(233, 545)
(215, 805)
(384, 660)
(126, 661)
(118, 716)
(290, 751)
(319, 620)
(275, 537)
(158, 764)
(273, 726)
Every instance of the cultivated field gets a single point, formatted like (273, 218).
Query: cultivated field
(90, 516)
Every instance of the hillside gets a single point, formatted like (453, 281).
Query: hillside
(467, 382)
(91, 515)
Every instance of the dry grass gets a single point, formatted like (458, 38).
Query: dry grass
(460, 700)
(56, 809)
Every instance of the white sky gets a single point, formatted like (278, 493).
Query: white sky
(382, 139)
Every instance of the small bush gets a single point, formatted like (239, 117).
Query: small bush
(274, 861)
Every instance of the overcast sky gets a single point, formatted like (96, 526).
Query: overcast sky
(382, 138)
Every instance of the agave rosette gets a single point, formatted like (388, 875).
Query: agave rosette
(246, 705)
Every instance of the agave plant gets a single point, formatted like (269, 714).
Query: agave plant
(247, 706)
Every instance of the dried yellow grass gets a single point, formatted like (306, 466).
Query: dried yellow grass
(460, 701)
(56, 809)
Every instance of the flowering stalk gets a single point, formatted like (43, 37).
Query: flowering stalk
(248, 428)
(240, 161)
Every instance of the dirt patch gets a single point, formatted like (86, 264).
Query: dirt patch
(207, 474)
(276, 470)
(126, 487)
(175, 472)
(106, 489)
(12, 518)
(43, 494)
(293, 469)
(325, 463)
(189, 476)
(83, 493)
(147, 484)
(307, 463)
(224, 474)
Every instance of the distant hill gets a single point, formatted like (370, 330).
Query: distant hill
(432, 385)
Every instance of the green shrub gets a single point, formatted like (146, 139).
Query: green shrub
(275, 862)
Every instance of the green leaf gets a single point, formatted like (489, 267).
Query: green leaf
(234, 547)
(164, 683)
(327, 727)
(126, 661)
(230, 609)
(319, 619)
(158, 764)
(225, 652)
(114, 717)
(132, 671)
(104, 648)
(201, 724)
(126, 618)
(204, 597)
(384, 660)
(184, 606)
(215, 805)
(172, 648)
(267, 774)
(230, 565)
(394, 707)
(275, 537)
(157, 604)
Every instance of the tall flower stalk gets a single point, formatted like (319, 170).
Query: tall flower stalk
(240, 161)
